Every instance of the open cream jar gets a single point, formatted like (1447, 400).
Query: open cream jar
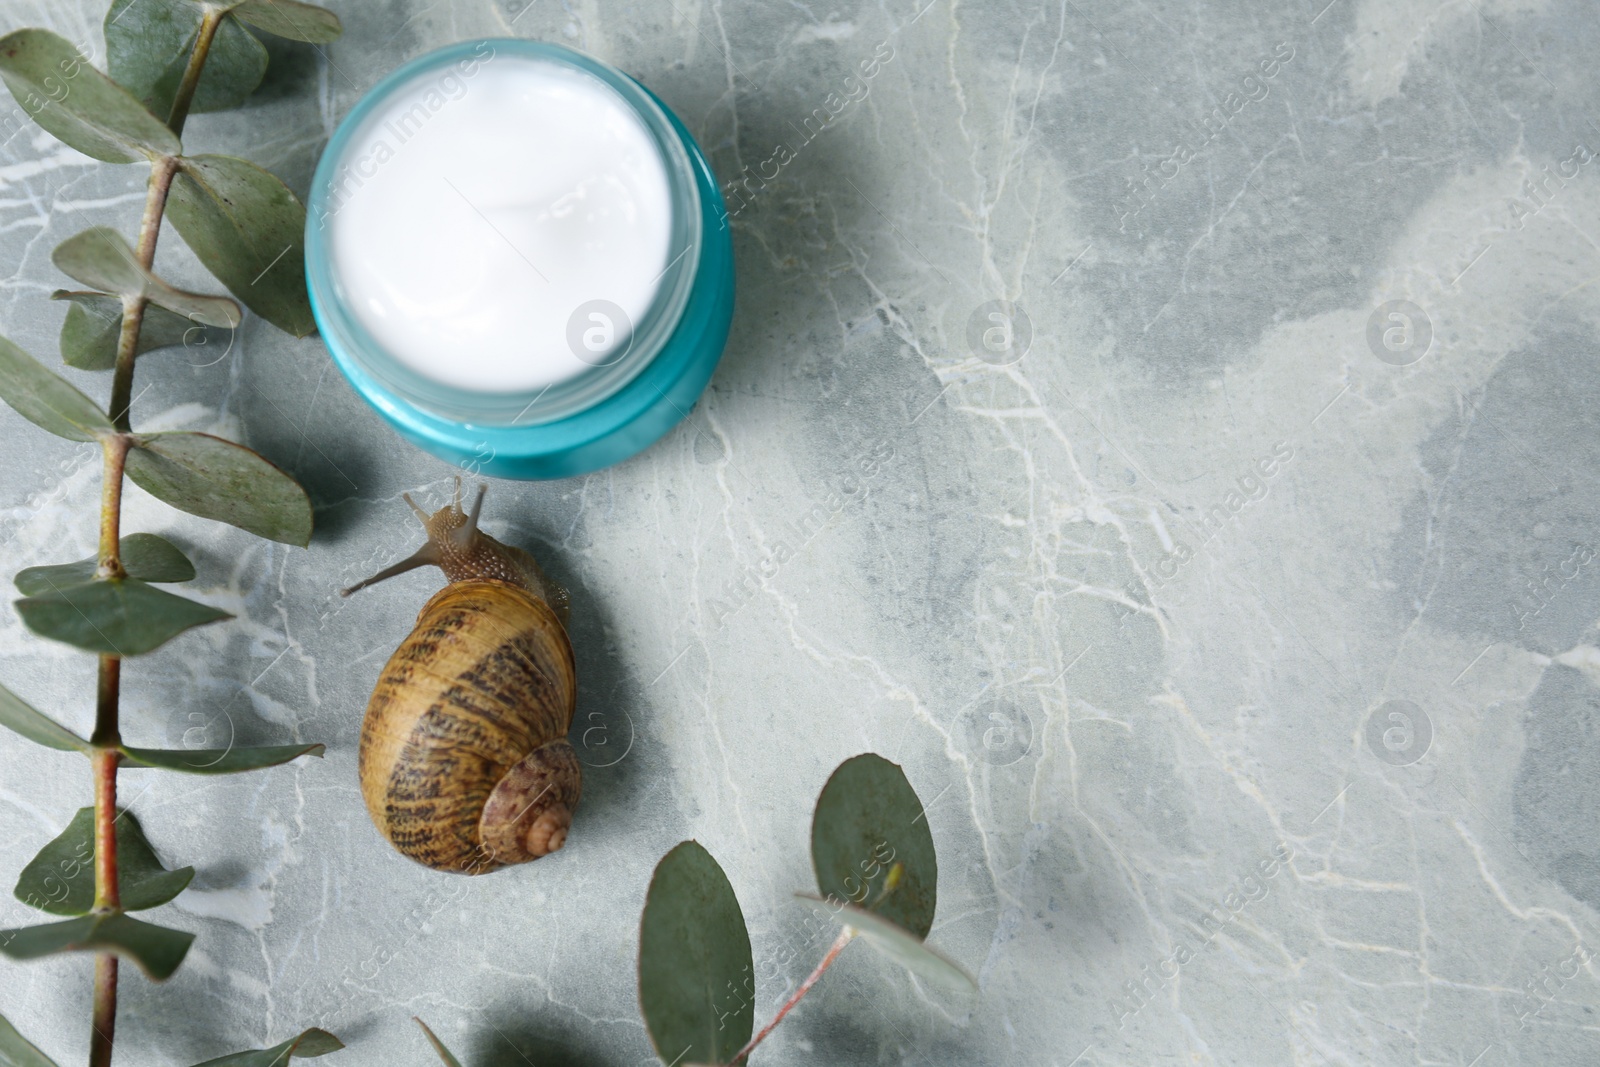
(519, 256)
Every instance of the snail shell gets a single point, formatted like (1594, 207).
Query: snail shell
(464, 761)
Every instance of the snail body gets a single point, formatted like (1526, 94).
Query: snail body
(464, 761)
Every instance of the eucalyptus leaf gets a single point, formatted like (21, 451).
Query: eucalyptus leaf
(894, 941)
(157, 950)
(18, 716)
(93, 327)
(868, 822)
(249, 229)
(217, 760)
(114, 616)
(217, 479)
(102, 257)
(18, 1051)
(148, 44)
(59, 89)
(310, 1043)
(696, 987)
(46, 399)
(60, 879)
(296, 21)
(438, 1046)
(144, 556)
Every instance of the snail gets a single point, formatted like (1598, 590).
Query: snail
(464, 760)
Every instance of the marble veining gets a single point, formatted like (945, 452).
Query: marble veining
(1166, 430)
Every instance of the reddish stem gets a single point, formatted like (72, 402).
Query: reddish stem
(805, 987)
(115, 450)
(105, 1010)
(107, 894)
(107, 737)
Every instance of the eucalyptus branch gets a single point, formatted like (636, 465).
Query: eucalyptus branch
(876, 874)
(230, 212)
(107, 737)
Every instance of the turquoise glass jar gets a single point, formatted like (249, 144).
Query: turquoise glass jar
(603, 415)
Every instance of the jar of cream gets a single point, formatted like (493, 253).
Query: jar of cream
(520, 257)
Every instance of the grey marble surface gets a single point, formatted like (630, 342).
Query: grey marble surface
(1259, 587)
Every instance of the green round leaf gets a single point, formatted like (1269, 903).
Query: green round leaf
(310, 1043)
(17, 1051)
(148, 44)
(19, 716)
(894, 941)
(60, 879)
(102, 257)
(46, 399)
(93, 327)
(157, 950)
(144, 556)
(695, 971)
(249, 229)
(296, 21)
(217, 760)
(868, 820)
(56, 85)
(217, 479)
(115, 617)
(438, 1046)
(154, 559)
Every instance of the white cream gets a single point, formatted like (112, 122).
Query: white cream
(480, 209)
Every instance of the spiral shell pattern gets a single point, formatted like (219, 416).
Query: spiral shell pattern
(484, 685)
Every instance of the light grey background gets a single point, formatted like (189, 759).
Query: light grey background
(1115, 712)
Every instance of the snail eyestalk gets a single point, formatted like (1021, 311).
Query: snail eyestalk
(453, 543)
(465, 536)
(422, 557)
(466, 554)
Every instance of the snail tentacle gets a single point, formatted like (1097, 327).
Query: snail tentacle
(425, 556)
(465, 535)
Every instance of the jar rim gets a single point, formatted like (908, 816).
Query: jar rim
(560, 399)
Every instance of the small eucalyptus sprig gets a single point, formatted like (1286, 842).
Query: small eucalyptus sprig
(877, 876)
(167, 58)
